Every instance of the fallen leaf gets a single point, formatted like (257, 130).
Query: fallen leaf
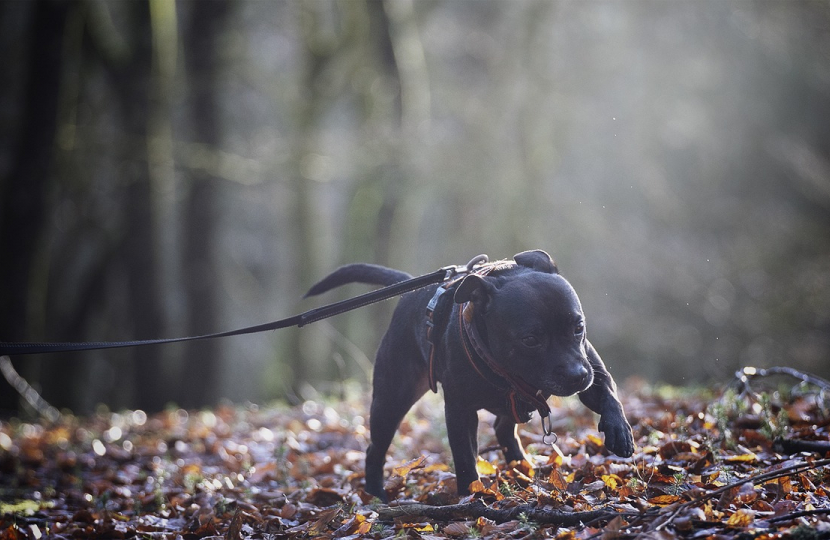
(566, 534)
(351, 525)
(320, 524)
(456, 528)
(394, 484)
(612, 529)
(612, 480)
(522, 466)
(485, 526)
(748, 457)
(595, 439)
(746, 494)
(235, 528)
(288, 510)
(478, 488)
(785, 485)
(417, 527)
(558, 480)
(484, 467)
(741, 518)
(593, 486)
(625, 491)
(665, 500)
(409, 466)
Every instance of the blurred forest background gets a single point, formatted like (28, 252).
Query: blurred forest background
(174, 168)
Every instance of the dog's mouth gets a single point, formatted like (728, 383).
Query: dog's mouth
(574, 381)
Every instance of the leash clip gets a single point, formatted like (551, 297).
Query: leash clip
(453, 270)
(547, 429)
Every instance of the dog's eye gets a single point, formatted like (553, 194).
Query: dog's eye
(580, 329)
(530, 341)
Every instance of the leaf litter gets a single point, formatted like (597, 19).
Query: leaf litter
(708, 464)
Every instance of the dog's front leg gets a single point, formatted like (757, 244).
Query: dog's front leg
(462, 427)
(602, 398)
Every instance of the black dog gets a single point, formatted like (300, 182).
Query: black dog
(503, 337)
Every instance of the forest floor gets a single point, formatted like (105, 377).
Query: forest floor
(744, 463)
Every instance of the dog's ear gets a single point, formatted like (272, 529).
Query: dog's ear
(537, 260)
(473, 288)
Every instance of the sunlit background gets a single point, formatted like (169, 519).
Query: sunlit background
(180, 168)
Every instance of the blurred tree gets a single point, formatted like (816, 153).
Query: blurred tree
(23, 191)
(104, 264)
(330, 35)
(200, 265)
(138, 253)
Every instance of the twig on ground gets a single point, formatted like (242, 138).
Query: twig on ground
(796, 515)
(477, 508)
(674, 510)
(744, 375)
(770, 475)
(794, 446)
(32, 397)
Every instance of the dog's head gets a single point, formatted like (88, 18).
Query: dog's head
(533, 322)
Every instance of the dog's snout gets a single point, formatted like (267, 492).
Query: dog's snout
(570, 378)
(578, 376)
(581, 372)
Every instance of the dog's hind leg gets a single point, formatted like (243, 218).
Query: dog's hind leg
(395, 391)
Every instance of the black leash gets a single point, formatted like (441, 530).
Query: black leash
(308, 317)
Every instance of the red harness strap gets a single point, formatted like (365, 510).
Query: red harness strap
(434, 304)
(517, 387)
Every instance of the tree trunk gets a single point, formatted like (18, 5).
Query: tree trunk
(200, 265)
(139, 254)
(23, 196)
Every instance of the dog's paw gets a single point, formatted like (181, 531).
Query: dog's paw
(618, 436)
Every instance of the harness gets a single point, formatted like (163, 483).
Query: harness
(522, 397)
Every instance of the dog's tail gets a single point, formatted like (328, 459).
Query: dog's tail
(372, 274)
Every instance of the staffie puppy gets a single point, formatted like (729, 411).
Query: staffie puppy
(503, 337)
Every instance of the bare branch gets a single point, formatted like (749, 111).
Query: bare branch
(477, 508)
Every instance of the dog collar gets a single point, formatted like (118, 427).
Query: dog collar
(486, 366)
(435, 311)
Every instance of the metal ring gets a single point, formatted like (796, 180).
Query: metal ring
(478, 259)
(550, 443)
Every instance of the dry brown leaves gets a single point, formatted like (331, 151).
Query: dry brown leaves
(278, 472)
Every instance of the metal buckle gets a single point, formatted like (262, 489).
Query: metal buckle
(451, 271)
(433, 302)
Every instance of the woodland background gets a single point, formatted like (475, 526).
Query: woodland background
(172, 168)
